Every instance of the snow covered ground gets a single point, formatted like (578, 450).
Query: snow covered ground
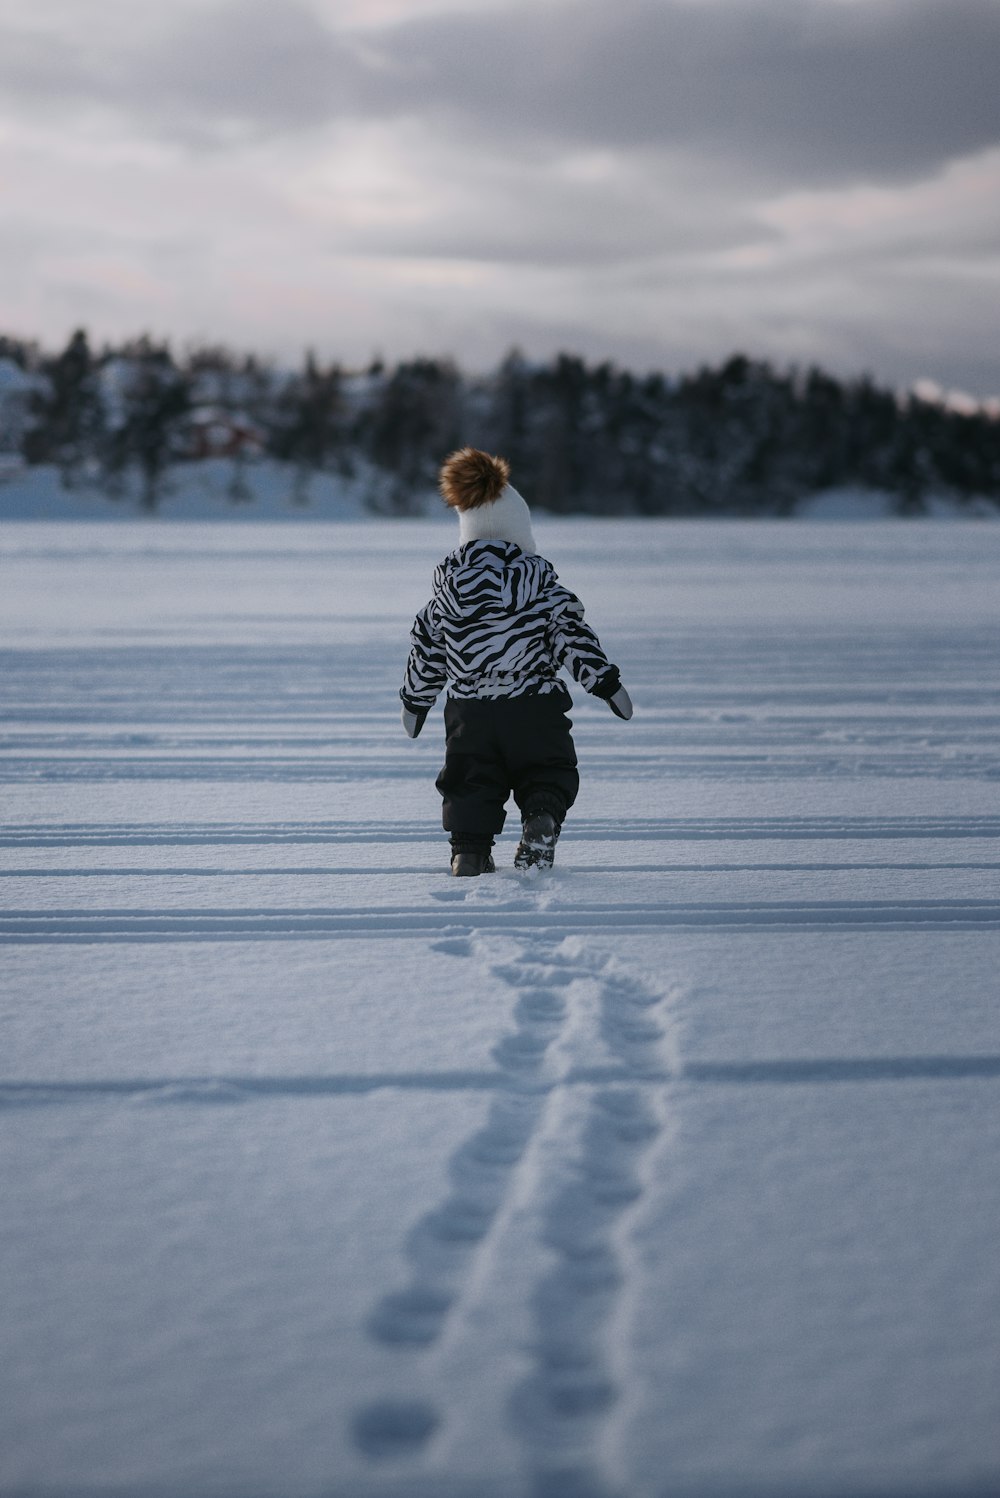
(673, 1172)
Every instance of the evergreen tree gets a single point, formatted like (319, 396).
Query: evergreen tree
(69, 424)
(308, 422)
(509, 411)
(155, 398)
(416, 420)
(21, 388)
(561, 460)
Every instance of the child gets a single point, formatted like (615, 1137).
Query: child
(497, 629)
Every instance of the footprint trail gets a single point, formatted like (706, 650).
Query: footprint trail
(571, 1154)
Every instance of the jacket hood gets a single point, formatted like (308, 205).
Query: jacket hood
(485, 579)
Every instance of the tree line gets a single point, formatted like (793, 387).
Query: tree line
(743, 438)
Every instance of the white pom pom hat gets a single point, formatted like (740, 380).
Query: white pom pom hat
(506, 518)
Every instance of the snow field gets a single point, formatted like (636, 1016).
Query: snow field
(669, 1172)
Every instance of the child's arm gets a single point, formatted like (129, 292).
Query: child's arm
(426, 671)
(575, 646)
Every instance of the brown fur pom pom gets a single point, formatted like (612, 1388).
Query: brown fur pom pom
(470, 478)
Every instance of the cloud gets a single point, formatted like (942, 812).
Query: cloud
(202, 74)
(249, 64)
(419, 197)
(39, 69)
(791, 91)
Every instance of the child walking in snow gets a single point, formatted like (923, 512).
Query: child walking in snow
(497, 629)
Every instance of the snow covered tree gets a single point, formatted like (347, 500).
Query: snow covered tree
(308, 422)
(413, 425)
(152, 398)
(69, 417)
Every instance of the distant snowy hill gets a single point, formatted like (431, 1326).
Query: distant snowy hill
(849, 504)
(270, 491)
(207, 490)
(213, 433)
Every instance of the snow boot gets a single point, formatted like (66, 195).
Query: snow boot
(537, 848)
(471, 858)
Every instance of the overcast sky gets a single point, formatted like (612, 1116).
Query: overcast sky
(658, 182)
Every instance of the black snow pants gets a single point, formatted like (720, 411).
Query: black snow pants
(502, 745)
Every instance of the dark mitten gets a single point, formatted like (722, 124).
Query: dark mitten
(413, 717)
(611, 691)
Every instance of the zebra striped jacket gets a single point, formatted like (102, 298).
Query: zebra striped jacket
(499, 624)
